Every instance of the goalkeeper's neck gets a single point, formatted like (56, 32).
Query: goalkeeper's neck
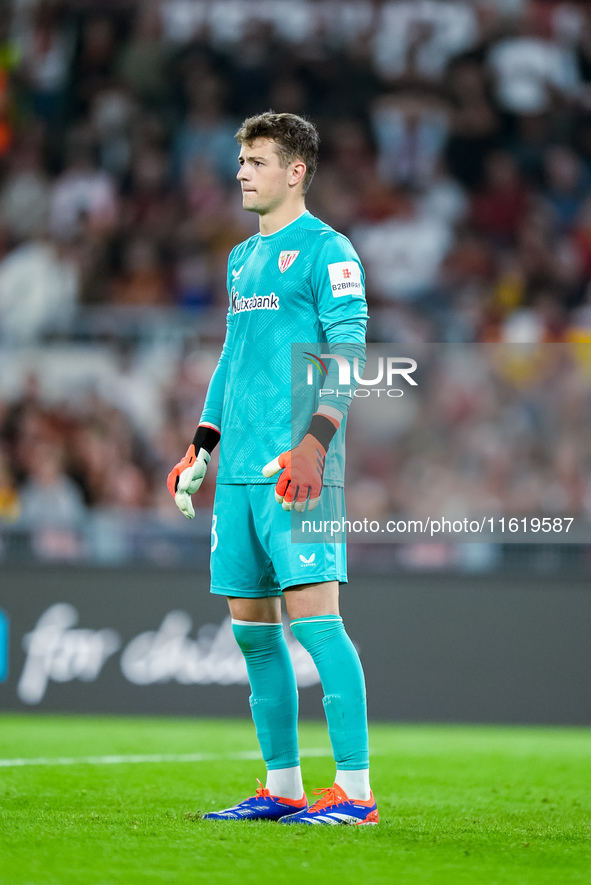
(273, 220)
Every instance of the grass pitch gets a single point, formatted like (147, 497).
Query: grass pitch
(458, 804)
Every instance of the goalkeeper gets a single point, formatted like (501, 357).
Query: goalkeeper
(297, 280)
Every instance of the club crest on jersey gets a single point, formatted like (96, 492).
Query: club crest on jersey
(286, 259)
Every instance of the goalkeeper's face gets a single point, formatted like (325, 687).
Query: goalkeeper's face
(266, 184)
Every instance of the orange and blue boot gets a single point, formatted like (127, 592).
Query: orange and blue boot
(335, 807)
(261, 806)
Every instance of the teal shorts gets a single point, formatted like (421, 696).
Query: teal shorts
(252, 553)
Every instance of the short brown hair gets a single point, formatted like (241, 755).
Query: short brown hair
(296, 139)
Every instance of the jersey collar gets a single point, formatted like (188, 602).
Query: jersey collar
(268, 237)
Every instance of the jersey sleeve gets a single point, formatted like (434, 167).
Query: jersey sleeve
(338, 279)
(214, 400)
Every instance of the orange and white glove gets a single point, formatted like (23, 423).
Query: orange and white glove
(186, 477)
(300, 484)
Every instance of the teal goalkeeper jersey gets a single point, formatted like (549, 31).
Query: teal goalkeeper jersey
(304, 285)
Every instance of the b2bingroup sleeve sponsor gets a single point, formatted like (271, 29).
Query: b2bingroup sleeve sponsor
(338, 282)
(345, 279)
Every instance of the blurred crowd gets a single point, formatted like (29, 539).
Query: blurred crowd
(455, 153)
(104, 442)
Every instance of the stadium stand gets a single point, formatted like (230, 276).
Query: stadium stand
(456, 154)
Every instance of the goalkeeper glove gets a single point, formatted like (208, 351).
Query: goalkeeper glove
(303, 467)
(186, 477)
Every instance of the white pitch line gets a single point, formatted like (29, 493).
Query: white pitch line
(135, 759)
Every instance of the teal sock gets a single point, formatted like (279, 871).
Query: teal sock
(274, 698)
(341, 674)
